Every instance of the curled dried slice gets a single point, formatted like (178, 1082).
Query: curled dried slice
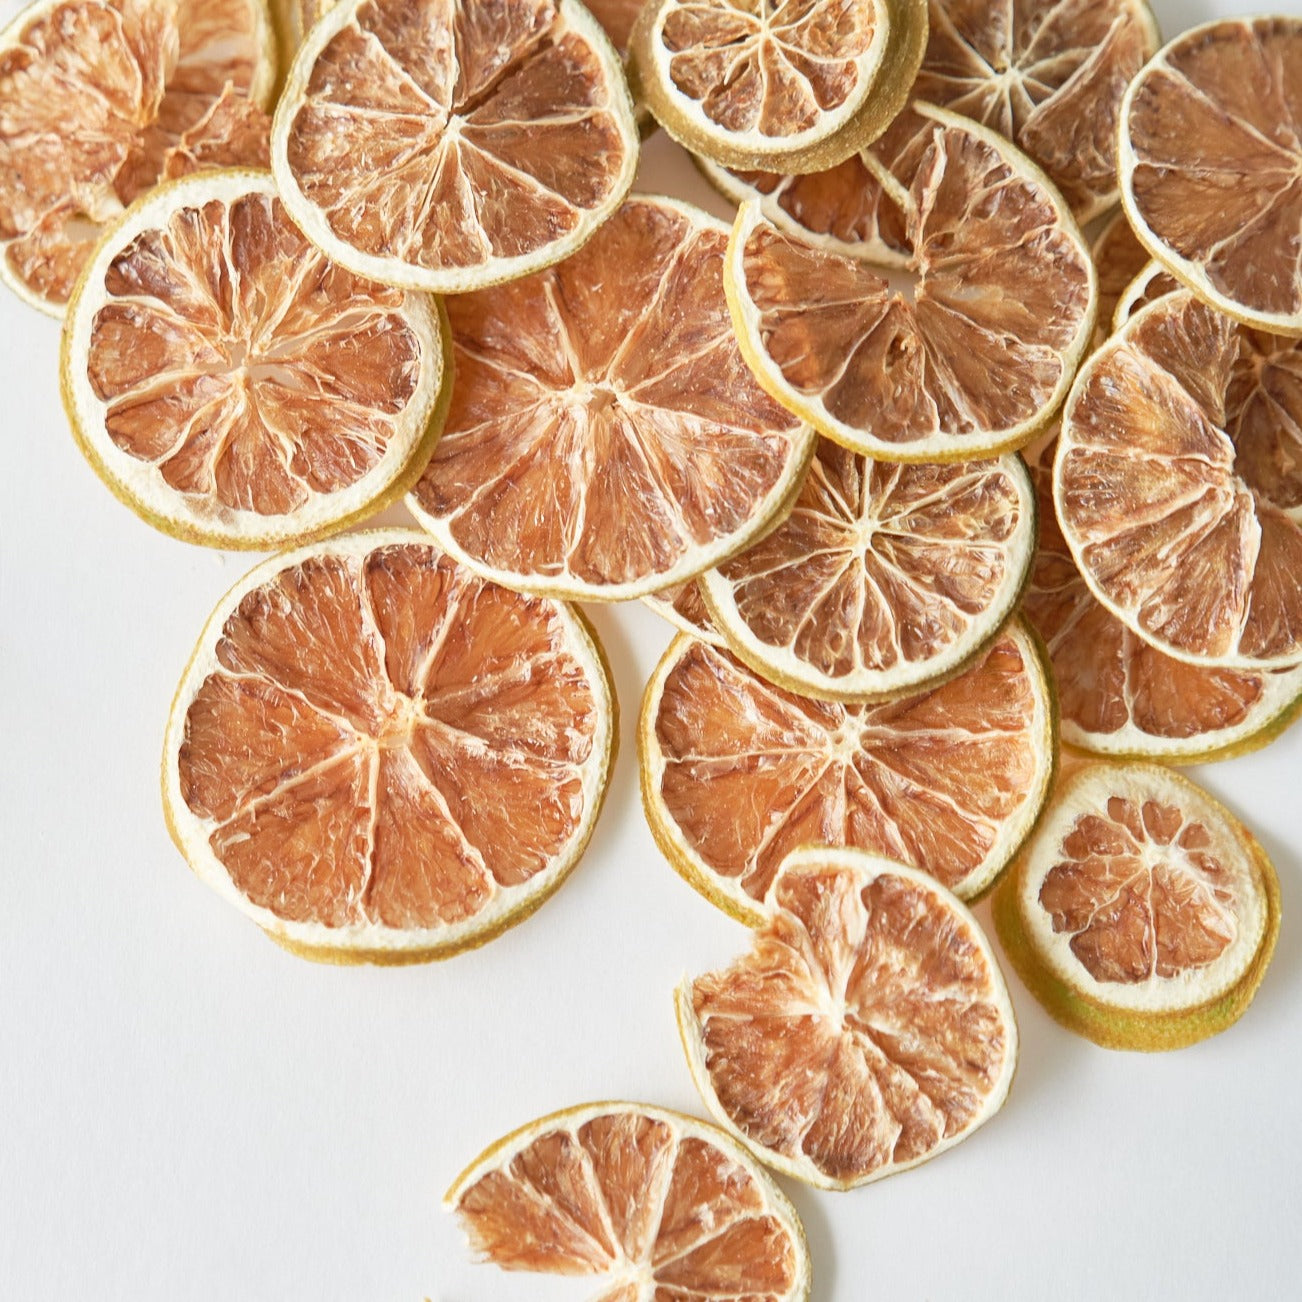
(646, 1202)
(294, 19)
(232, 385)
(1152, 283)
(684, 607)
(867, 1029)
(381, 758)
(1142, 914)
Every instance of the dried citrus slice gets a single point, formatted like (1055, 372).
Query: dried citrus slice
(234, 131)
(737, 772)
(978, 362)
(1211, 165)
(647, 1202)
(606, 439)
(449, 146)
(1178, 484)
(867, 1029)
(231, 384)
(295, 18)
(1118, 258)
(684, 607)
(1142, 913)
(94, 97)
(1152, 283)
(380, 757)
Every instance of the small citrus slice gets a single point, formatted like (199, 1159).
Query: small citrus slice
(1150, 284)
(652, 1205)
(867, 1029)
(380, 757)
(606, 439)
(1211, 165)
(231, 384)
(684, 607)
(1142, 914)
(1178, 484)
(737, 772)
(449, 146)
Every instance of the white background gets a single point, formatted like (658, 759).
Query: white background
(189, 1112)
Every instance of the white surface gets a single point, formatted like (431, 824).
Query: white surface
(191, 1113)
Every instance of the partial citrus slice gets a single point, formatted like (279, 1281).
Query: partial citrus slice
(736, 772)
(234, 130)
(1178, 484)
(978, 362)
(1151, 283)
(449, 146)
(380, 757)
(606, 439)
(1211, 165)
(617, 18)
(867, 1030)
(648, 1203)
(294, 19)
(95, 95)
(1142, 913)
(232, 385)
(1118, 258)
(684, 607)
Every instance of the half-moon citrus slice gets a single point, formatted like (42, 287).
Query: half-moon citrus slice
(1211, 165)
(1150, 284)
(648, 1203)
(232, 385)
(95, 98)
(381, 758)
(1178, 484)
(449, 146)
(606, 439)
(867, 1029)
(1142, 914)
(737, 772)
(684, 607)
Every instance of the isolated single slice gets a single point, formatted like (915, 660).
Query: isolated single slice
(867, 1029)
(606, 439)
(449, 146)
(684, 607)
(652, 1205)
(381, 758)
(232, 385)
(1151, 283)
(1178, 484)
(95, 96)
(1142, 913)
(1210, 163)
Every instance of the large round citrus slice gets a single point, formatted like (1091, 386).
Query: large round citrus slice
(606, 439)
(1211, 165)
(648, 1203)
(1142, 913)
(448, 146)
(1178, 484)
(979, 360)
(96, 98)
(684, 607)
(736, 772)
(867, 1029)
(232, 385)
(380, 757)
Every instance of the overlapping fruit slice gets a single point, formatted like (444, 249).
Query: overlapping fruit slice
(1152, 283)
(606, 439)
(1178, 484)
(736, 772)
(649, 1203)
(448, 146)
(867, 1029)
(1142, 913)
(101, 98)
(684, 606)
(235, 387)
(1118, 258)
(1211, 165)
(380, 757)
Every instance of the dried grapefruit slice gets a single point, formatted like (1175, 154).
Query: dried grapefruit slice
(1152, 283)
(95, 95)
(606, 439)
(1118, 258)
(1211, 165)
(449, 146)
(380, 757)
(232, 385)
(737, 772)
(684, 607)
(1142, 913)
(867, 1030)
(1178, 484)
(649, 1203)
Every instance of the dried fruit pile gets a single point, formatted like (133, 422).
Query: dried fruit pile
(929, 483)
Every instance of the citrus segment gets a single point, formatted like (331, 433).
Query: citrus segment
(234, 130)
(684, 607)
(1150, 284)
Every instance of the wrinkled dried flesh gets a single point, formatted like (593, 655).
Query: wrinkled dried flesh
(1118, 258)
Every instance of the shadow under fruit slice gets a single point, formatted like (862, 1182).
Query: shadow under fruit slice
(867, 1029)
(649, 1203)
(380, 757)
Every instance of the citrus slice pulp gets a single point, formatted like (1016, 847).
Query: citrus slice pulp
(1152, 282)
